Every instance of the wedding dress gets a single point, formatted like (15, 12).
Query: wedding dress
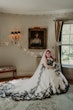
(42, 84)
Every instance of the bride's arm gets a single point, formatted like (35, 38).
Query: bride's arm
(49, 66)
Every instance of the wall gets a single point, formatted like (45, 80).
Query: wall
(25, 63)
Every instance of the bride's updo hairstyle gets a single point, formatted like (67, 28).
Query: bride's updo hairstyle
(50, 54)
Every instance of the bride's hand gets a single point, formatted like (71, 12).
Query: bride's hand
(49, 67)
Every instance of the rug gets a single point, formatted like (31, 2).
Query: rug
(56, 102)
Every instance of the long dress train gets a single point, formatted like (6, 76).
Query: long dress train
(42, 84)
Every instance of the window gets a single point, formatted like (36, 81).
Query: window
(67, 45)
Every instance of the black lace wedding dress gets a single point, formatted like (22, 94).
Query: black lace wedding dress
(42, 84)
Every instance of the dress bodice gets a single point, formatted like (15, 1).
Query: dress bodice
(50, 61)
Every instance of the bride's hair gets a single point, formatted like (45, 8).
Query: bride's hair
(50, 55)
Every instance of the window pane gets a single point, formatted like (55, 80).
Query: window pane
(71, 28)
(71, 59)
(65, 39)
(66, 29)
(65, 59)
(65, 50)
(71, 39)
(71, 50)
(67, 44)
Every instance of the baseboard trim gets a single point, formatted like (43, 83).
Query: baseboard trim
(28, 76)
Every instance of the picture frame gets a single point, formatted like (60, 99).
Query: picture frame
(37, 38)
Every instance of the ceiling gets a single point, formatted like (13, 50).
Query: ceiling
(35, 6)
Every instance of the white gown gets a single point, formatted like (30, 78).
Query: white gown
(42, 84)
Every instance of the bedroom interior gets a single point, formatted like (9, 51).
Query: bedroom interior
(18, 61)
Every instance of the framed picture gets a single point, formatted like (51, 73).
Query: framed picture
(37, 38)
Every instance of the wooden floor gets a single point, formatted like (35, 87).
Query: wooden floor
(70, 81)
(8, 79)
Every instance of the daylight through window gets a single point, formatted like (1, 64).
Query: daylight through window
(67, 44)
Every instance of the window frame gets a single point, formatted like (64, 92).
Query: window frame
(63, 44)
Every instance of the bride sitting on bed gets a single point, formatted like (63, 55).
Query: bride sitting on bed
(47, 80)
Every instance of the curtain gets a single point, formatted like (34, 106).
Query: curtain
(58, 30)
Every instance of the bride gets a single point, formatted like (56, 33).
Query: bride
(47, 80)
